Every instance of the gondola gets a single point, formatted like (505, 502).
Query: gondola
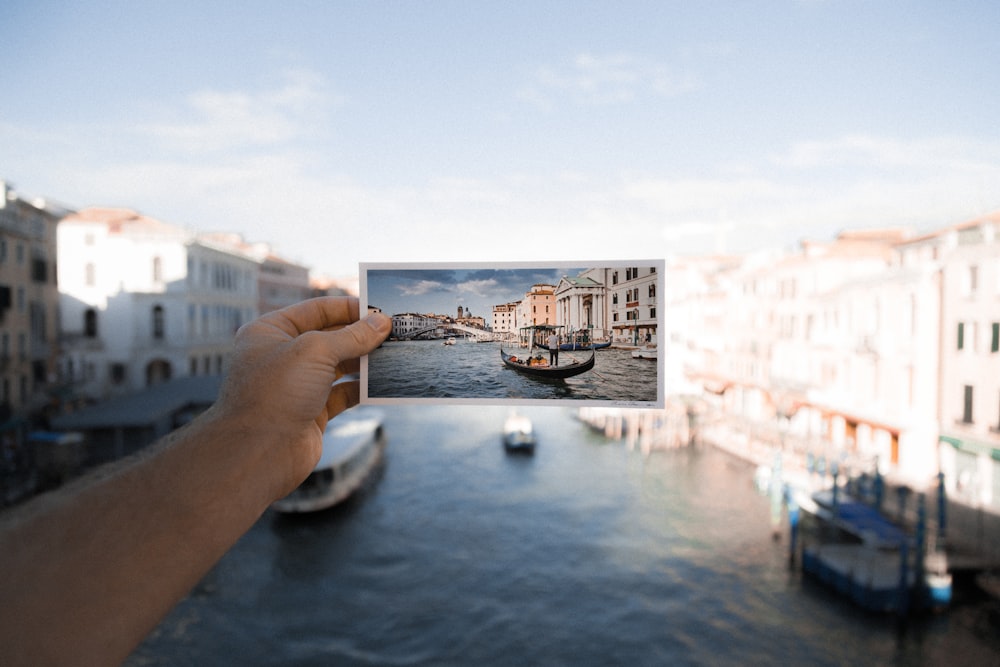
(551, 372)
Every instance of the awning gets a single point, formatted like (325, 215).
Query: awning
(971, 446)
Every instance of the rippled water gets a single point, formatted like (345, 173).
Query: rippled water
(429, 369)
(586, 554)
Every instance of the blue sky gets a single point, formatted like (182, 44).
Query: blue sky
(342, 132)
(441, 290)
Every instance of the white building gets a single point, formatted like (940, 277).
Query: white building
(582, 303)
(142, 301)
(505, 318)
(969, 400)
(633, 304)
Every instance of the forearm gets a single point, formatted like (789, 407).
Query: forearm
(94, 571)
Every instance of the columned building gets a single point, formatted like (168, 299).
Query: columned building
(581, 303)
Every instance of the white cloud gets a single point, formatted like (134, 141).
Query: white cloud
(604, 80)
(420, 287)
(477, 287)
(232, 120)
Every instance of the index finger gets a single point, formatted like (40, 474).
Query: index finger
(319, 314)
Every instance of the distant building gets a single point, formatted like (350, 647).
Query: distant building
(412, 325)
(29, 303)
(505, 318)
(280, 282)
(537, 307)
(143, 301)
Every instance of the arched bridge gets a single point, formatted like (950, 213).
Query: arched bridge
(451, 327)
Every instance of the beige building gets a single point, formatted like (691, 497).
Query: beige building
(537, 307)
(29, 305)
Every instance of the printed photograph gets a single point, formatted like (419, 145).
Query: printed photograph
(516, 333)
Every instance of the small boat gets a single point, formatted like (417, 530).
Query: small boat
(518, 434)
(450, 341)
(645, 352)
(353, 445)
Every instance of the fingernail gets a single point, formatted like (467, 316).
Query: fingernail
(378, 321)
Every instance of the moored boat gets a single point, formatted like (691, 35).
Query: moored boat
(853, 549)
(353, 445)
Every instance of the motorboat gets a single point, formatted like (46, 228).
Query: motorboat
(644, 352)
(353, 445)
(518, 434)
(450, 340)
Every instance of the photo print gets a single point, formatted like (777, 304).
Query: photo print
(516, 333)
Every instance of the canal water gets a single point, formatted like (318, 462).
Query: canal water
(587, 553)
(474, 370)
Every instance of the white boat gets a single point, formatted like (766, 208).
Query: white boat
(450, 341)
(518, 434)
(353, 445)
(644, 352)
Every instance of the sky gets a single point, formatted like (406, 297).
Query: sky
(440, 290)
(347, 132)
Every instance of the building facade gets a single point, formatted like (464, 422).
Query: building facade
(633, 304)
(582, 303)
(537, 307)
(969, 401)
(29, 302)
(505, 318)
(143, 302)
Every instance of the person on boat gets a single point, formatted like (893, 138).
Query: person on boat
(553, 349)
(91, 568)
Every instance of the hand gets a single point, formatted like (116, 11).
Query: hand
(285, 362)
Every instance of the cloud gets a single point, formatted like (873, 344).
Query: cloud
(477, 287)
(213, 121)
(606, 80)
(420, 287)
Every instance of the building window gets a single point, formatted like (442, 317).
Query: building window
(973, 280)
(90, 323)
(967, 404)
(157, 270)
(158, 324)
(961, 335)
(117, 373)
(995, 338)
(89, 275)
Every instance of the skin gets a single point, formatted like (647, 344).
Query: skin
(87, 571)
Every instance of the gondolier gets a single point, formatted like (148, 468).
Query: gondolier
(554, 348)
